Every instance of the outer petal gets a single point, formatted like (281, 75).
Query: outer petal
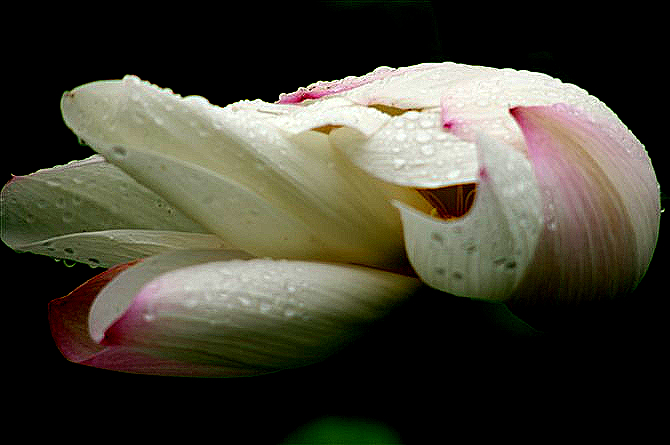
(82, 210)
(235, 316)
(485, 253)
(182, 148)
(68, 322)
(601, 205)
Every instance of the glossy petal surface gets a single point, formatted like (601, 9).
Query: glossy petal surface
(223, 314)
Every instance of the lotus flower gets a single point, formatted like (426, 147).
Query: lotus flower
(263, 236)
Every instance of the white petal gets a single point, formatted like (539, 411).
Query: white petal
(485, 253)
(334, 111)
(109, 247)
(411, 150)
(258, 314)
(115, 297)
(433, 145)
(300, 197)
(80, 198)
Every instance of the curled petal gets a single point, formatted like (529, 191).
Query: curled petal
(221, 313)
(601, 204)
(485, 253)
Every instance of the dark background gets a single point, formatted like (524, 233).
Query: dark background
(435, 368)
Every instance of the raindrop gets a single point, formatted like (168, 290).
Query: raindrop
(440, 271)
(427, 150)
(437, 237)
(399, 163)
(119, 152)
(422, 137)
(457, 275)
(69, 263)
(190, 303)
(469, 245)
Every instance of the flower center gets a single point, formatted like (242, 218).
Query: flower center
(450, 202)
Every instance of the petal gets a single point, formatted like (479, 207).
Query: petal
(485, 253)
(219, 313)
(413, 150)
(68, 317)
(447, 105)
(58, 211)
(302, 199)
(109, 247)
(601, 204)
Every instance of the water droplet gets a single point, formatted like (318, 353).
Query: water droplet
(427, 150)
(289, 313)
(457, 275)
(399, 163)
(437, 237)
(190, 303)
(68, 250)
(469, 245)
(440, 271)
(119, 152)
(422, 137)
(69, 263)
(426, 123)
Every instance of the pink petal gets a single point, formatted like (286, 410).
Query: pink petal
(68, 320)
(601, 204)
(321, 89)
(68, 317)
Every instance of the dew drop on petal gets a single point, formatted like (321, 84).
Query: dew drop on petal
(119, 152)
(399, 163)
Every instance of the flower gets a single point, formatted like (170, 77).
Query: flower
(263, 236)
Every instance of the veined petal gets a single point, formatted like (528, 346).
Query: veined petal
(221, 313)
(601, 204)
(109, 247)
(485, 253)
(44, 211)
(314, 204)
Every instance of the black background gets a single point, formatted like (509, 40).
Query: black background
(435, 368)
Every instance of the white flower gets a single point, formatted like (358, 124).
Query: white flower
(274, 231)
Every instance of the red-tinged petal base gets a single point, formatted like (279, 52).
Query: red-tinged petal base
(68, 316)
(68, 320)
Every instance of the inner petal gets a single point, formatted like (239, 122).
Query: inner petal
(452, 201)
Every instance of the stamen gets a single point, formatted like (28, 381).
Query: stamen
(450, 202)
